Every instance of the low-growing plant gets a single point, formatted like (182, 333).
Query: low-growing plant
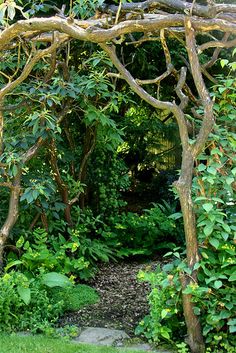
(76, 254)
(25, 304)
(74, 298)
(145, 234)
(41, 251)
(165, 317)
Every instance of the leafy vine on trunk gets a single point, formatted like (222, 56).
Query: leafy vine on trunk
(133, 24)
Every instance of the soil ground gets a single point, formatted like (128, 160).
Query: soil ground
(123, 299)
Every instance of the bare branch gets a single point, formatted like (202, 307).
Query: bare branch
(132, 82)
(179, 88)
(217, 51)
(158, 79)
(32, 151)
(6, 184)
(172, 107)
(27, 69)
(217, 44)
(179, 5)
(96, 30)
(208, 120)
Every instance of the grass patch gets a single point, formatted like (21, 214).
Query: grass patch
(75, 297)
(39, 344)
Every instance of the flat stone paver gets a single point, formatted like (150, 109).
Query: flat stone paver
(144, 347)
(139, 347)
(101, 336)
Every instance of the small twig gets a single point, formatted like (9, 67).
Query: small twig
(158, 79)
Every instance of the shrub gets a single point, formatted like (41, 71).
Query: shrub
(145, 234)
(25, 304)
(165, 319)
(214, 296)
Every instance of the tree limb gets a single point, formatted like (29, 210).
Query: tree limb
(208, 120)
(28, 68)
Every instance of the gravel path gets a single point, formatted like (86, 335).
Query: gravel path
(123, 300)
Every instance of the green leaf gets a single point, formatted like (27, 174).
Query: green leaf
(54, 279)
(207, 206)
(204, 255)
(222, 89)
(229, 180)
(224, 62)
(11, 11)
(214, 242)
(208, 229)
(212, 170)
(226, 227)
(25, 294)
(200, 198)
(20, 242)
(201, 167)
(217, 199)
(165, 334)
(218, 284)
(232, 322)
(232, 278)
(196, 310)
(233, 66)
(12, 264)
(3, 8)
(14, 170)
(164, 313)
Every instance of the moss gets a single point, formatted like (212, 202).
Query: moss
(75, 297)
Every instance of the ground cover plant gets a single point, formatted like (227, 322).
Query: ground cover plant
(75, 297)
(66, 166)
(40, 344)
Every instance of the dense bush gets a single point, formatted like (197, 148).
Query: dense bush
(165, 318)
(214, 296)
(26, 305)
(76, 255)
(146, 234)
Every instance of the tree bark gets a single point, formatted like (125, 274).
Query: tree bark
(62, 187)
(15, 190)
(13, 213)
(183, 186)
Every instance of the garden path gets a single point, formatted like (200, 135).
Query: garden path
(123, 302)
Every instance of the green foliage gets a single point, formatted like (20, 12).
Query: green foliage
(49, 253)
(107, 179)
(8, 11)
(165, 319)
(148, 142)
(75, 255)
(145, 234)
(40, 344)
(76, 297)
(25, 304)
(214, 296)
(86, 8)
(214, 187)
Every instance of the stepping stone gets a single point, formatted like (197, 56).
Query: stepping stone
(139, 347)
(145, 347)
(101, 336)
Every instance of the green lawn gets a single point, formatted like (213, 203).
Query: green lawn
(13, 343)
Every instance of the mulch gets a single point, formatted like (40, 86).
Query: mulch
(123, 299)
